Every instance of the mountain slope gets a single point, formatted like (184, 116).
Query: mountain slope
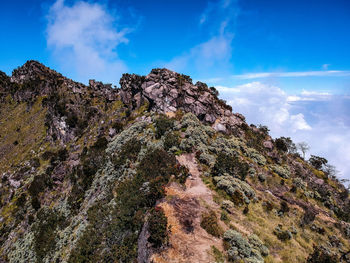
(159, 170)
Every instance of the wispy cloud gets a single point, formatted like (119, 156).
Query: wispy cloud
(205, 55)
(306, 95)
(218, 20)
(84, 38)
(323, 73)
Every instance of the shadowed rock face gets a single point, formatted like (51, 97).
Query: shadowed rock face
(167, 91)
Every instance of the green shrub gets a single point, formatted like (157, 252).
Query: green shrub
(317, 162)
(268, 206)
(100, 144)
(282, 171)
(284, 207)
(238, 197)
(171, 140)
(239, 191)
(72, 119)
(262, 177)
(281, 145)
(129, 151)
(230, 165)
(45, 229)
(158, 227)
(343, 213)
(157, 166)
(162, 125)
(246, 210)
(218, 256)
(117, 227)
(281, 234)
(92, 159)
(256, 243)
(55, 157)
(254, 138)
(247, 250)
(285, 144)
(209, 222)
(255, 156)
(227, 205)
(86, 247)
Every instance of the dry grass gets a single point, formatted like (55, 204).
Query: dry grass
(22, 130)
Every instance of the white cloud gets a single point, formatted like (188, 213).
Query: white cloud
(205, 55)
(315, 94)
(84, 38)
(265, 104)
(214, 54)
(314, 117)
(324, 73)
(310, 96)
(299, 122)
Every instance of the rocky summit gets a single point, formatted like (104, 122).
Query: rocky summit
(167, 91)
(157, 170)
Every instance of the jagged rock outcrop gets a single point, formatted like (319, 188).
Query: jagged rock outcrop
(68, 103)
(167, 91)
(34, 79)
(103, 90)
(32, 70)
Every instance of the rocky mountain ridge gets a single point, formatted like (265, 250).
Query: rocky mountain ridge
(164, 90)
(167, 91)
(158, 170)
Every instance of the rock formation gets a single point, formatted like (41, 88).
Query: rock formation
(166, 92)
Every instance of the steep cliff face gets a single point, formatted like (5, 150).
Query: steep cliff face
(159, 170)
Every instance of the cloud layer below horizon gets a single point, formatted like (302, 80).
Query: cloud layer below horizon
(317, 118)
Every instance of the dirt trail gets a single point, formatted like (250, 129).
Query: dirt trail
(183, 208)
(194, 185)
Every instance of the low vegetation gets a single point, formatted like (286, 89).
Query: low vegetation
(158, 227)
(210, 223)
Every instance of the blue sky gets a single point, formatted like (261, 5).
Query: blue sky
(285, 64)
